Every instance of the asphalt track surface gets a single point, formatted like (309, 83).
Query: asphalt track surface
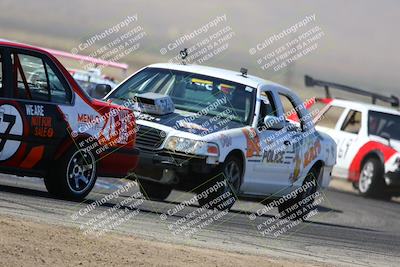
(347, 230)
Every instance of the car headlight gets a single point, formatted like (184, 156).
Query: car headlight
(190, 146)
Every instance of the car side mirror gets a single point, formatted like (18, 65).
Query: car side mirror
(101, 90)
(273, 122)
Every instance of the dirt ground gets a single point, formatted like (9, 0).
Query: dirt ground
(24, 242)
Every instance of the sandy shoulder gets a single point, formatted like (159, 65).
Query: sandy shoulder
(28, 243)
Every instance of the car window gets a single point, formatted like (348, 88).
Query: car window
(59, 92)
(267, 107)
(290, 111)
(330, 117)
(35, 80)
(384, 124)
(352, 123)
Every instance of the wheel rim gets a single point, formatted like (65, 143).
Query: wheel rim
(366, 175)
(232, 174)
(81, 170)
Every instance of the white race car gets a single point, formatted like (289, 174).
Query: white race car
(222, 133)
(367, 137)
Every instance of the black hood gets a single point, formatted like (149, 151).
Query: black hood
(201, 125)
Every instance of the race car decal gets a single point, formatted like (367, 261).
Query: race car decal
(306, 151)
(208, 85)
(117, 129)
(225, 88)
(297, 166)
(34, 156)
(41, 125)
(355, 166)
(226, 140)
(253, 143)
(12, 128)
(272, 156)
(312, 153)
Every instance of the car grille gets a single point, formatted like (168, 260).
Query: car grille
(149, 138)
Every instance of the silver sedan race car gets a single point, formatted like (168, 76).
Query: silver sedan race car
(223, 135)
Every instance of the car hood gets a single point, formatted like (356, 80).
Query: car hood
(191, 122)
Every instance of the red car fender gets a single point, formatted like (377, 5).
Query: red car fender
(355, 166)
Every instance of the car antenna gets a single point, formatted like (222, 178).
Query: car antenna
(184, 54)
(243, 71)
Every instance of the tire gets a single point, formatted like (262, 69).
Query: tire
(154, 191)
(371, 182)
(355, 185)
(293, 208)
(73, 175)
(229, 175)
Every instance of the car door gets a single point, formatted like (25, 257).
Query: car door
(348, 140)
(269, 172)
(31, 125)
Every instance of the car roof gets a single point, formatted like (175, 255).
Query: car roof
(360, 105)
(234, 76)
(23, 46)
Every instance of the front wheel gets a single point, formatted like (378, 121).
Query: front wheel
(73, 175)
(220, 192)
(154, 191)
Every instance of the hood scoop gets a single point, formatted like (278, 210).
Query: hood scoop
(153, 103)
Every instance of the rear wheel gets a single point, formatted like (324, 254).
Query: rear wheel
(154, 191)
(299, 206)
(73, 175)
(371, 182)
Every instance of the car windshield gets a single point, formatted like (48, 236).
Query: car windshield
(192, 92)
(384, 124)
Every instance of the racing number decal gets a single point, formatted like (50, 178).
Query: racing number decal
(11, 129)
(11, 121)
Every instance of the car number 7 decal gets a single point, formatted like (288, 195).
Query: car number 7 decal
(11, 121)
(11, 131)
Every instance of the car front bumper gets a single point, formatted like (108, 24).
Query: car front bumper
(170, 168)
(118, 162)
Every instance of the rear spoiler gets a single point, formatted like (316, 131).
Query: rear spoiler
(310, 82)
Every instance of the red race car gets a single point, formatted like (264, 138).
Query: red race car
(50, 128)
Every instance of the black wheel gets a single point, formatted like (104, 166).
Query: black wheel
(73, 175)
(226, 179)
(298, 207)
(371, 182)
(155, 191)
